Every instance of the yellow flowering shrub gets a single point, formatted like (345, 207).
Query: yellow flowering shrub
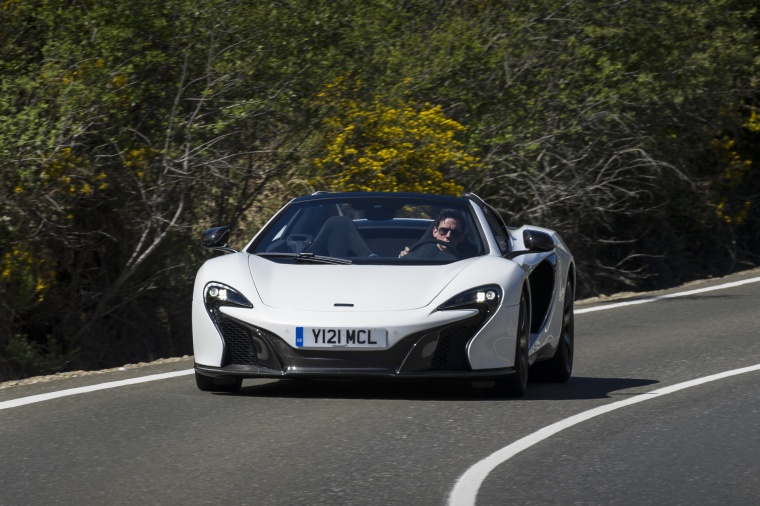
(390, 145)
(29, 276)
(735, 171)
(72, 172)
(137, 161)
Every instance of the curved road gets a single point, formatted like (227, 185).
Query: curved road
(379, 443)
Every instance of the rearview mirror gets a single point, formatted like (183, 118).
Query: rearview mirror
(216, 239)
(538, 241)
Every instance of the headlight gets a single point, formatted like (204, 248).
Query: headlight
(218, 294)
(484, 297)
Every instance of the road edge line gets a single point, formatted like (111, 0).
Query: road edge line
(657, 298)
(22, 401)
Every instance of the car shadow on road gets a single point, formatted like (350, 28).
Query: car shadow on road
(410, 389)
(588, 388)
(440, 390)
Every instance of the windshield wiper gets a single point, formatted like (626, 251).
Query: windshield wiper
(308, 257)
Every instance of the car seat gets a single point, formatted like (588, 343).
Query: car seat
(339, 238)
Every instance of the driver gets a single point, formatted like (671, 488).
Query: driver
(449, 228)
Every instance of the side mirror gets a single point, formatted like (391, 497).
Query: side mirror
(535, 241)
(538, 241)
(216, 239)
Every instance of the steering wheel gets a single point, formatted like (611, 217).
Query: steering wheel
(449, 247)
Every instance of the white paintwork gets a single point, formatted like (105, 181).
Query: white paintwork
(314, 287)
(207, 343)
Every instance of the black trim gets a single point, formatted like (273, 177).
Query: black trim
(543, 292)
(233, 371)
(400, 195)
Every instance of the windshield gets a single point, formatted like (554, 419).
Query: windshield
(372, 229)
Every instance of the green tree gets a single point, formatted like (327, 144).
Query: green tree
(127, 127)
(594, 118)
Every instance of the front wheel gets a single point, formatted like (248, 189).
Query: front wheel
(516, 384)
(209, 384)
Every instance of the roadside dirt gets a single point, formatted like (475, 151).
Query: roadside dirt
(76, 374)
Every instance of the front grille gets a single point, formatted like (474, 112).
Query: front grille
(450, 353)
(238, 341)
(245, 345)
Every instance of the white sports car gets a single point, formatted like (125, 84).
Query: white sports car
(385, 285)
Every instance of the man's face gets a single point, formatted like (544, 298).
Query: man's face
(448, 230)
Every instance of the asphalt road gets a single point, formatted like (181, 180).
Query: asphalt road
(381, 443)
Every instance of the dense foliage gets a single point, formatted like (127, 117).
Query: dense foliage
(126, 128)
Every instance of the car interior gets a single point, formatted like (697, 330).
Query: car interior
(331, 230)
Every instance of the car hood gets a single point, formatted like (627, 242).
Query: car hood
(319, 287)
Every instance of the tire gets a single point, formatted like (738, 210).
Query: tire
(515, 385)
(559, 368)
(209, 384)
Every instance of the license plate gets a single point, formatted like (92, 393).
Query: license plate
(313, 337)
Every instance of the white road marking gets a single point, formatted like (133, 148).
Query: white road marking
(466, 488)
(14, 403)
(668, 296)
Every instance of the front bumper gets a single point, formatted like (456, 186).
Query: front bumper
(440, 352)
